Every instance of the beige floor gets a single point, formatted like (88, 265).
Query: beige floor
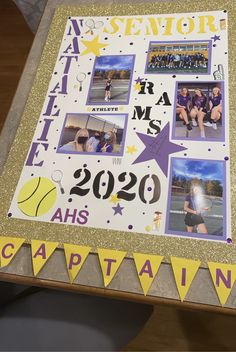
(168, 329)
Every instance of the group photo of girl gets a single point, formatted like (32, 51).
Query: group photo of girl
(178, 57)
(199, 110)
(196, 198)
(84, 133)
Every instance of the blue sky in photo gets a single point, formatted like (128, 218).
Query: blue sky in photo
(202, 169)
(114, 62)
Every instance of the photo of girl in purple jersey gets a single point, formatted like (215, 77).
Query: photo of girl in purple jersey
(196, 206)
(215, 108)
(183, 106)
(199, 111)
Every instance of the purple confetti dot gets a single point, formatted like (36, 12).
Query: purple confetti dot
(134, 128)
(209, 149)
(223, 145)
(185, 154)
(104, 184)
(226, 158)
(149, 189)
(229, 240)
(130, 227)
(9, 215)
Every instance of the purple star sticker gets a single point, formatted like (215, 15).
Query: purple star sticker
(139, 80)
(118, 209)
(216, 37)
(158, 148)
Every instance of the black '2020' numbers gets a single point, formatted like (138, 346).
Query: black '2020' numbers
(125, 193)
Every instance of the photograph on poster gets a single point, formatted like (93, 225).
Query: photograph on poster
(111, 79)
(84, 133)
(185, 57)
(196, 206)
(199, 111)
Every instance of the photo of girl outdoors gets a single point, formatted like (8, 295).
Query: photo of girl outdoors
(111, 79)
(198, 107)
(196, 199)
(103, 134)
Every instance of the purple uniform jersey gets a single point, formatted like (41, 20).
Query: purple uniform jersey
(216, 100)
(199, 101)
(183, 101)
(190, 201)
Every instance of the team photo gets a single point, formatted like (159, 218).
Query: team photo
(111, 80)
(179, 57)
(84, 133)
(199, 111)
(196, 198)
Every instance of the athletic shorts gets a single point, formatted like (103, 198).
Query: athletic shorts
(193, 219)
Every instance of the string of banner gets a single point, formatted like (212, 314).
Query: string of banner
(147, 265)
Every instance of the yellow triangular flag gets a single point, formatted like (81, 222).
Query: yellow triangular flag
(110, 260)
(75, 258)
(9, 246)
(147, 266)
(41, 252)
(223, 277)
(184, 273)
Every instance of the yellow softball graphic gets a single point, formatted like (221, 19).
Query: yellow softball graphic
(37, 196)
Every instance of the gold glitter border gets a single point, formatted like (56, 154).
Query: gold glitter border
(120, 240)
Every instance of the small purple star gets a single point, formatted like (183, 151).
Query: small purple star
(158, 148)
(118, 209)
(216, 37)
(139, 80)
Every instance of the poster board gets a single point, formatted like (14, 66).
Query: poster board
(125, 235)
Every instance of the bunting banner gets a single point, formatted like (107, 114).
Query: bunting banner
(41, 251)
(147, 266)
(9, 246)
(184, 272)
(223, 277)
(110, 261)
(75, 258)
